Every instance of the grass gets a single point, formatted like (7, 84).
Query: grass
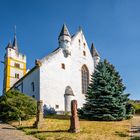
(55, 128)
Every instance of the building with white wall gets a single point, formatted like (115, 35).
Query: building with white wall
(62, 75)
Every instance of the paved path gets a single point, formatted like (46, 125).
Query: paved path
(135, 127)
(8, 132)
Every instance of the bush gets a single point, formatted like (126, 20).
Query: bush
(130, 111)
(136, 106)
(15, 105)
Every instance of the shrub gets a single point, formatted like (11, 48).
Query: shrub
(136, 106)
(15, 105)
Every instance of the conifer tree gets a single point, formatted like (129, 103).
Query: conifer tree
(105, 98)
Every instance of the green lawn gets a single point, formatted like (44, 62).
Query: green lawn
(55, 128)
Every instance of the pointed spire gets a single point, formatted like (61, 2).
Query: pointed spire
(15, 41)
(93, 51)
(64, 31)
(15, 45)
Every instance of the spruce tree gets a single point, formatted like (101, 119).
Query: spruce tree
(105, 98)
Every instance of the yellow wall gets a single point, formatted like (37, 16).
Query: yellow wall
(24, 68)
(8, 69)
(7, 74)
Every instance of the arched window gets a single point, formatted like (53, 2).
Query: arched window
(85, 79)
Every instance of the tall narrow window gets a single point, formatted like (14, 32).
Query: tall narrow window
(33, 86)
(84, 53)
(85, 79)
(79, 41)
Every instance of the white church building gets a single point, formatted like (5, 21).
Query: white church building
(57, 78)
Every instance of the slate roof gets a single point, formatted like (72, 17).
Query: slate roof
(15, 45)
(64, 31)
(93, 51)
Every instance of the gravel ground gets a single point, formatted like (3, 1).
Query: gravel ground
(135, 127)
(8, 132)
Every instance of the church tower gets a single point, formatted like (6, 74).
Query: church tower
(65, 40)
(14, 65)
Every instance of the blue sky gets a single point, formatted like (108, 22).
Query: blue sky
(113, 26)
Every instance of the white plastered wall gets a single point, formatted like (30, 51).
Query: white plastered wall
(54, 79)
(25, 85)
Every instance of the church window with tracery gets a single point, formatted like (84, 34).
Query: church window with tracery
(85, 79)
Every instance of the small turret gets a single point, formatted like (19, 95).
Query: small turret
(95, 55)
(9, 45)
(65, 40)
(64, 34)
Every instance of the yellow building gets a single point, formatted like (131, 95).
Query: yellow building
(14, 65)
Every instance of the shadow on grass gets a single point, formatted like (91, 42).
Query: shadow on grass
(66, 117)
(33, 130)
(121, 134)
(135, 138)
(25, 127)
(52, 131)
(9, 128)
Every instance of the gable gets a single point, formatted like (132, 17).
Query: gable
(79, 43)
